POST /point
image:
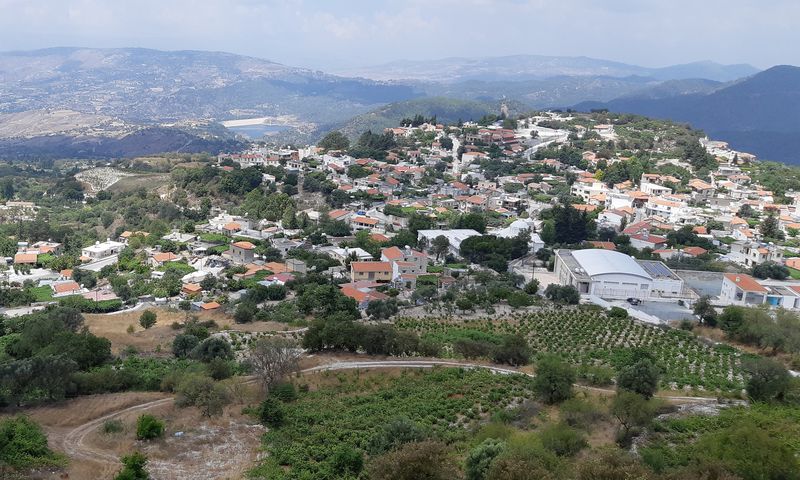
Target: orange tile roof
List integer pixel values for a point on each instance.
(25, 258)
(191, 288)
(366, 220)
(584, 208)
(360, 295)
(64, 287)
(336, 214)
(210, 305)
(162, 257)
(694, 251)
(363, 267)
(244, 245)
(232, 226)
(654, 239)
(745, 282)
(603, 245)
(392, 253)
(276, 267)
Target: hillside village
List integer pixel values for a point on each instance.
(651, 275)
(399, 219)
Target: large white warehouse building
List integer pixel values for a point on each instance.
(614, 275)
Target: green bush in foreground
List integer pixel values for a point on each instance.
(149, 427)
(23, 445)
(133, 468)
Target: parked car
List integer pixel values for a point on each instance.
(634, 301)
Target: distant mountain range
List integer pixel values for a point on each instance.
(533, 67)
(51, 99)
(759, 114)
(144, 85)
(87, 102)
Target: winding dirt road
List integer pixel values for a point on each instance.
(74, 442)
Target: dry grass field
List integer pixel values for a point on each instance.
(115, 328)
(223, 447)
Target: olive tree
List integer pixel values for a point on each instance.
(273, 358)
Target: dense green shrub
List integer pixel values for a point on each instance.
(562, 440)
(618, 312)
(395, 433)
(514, 351)
(149, 427)
(580, 413)
(220, 369)
(480, 458)
(641, 377)
(183, 344)
(134, 467)
(347, 462)
(554, 379)
(23, 445)
(202, 392)
(285, 392)
(211, 348)
(270, 412)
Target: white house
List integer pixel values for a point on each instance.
(102, 250)
(455, 237)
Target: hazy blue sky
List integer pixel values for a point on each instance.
(328, 33)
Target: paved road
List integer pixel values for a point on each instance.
(74, 443)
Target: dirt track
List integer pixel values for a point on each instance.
(75, 446)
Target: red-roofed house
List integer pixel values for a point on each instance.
(160, 258)
(694, 251)
(206, 307)
(379, 237)
(343, 215)
(242, 252)
(646, 240)
(405, 261)
(742, 289)
(364, 223)
(191, 289)
(63, 289)
(24, 258)
(231, 227)
(362, 295)
(375, 271)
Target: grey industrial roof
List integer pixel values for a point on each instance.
(600, 262)
(657, 269)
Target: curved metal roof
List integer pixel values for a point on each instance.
(604, 262)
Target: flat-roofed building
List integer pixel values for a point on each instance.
(454, 237)
(102, 250)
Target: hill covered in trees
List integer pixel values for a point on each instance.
(759, 114)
